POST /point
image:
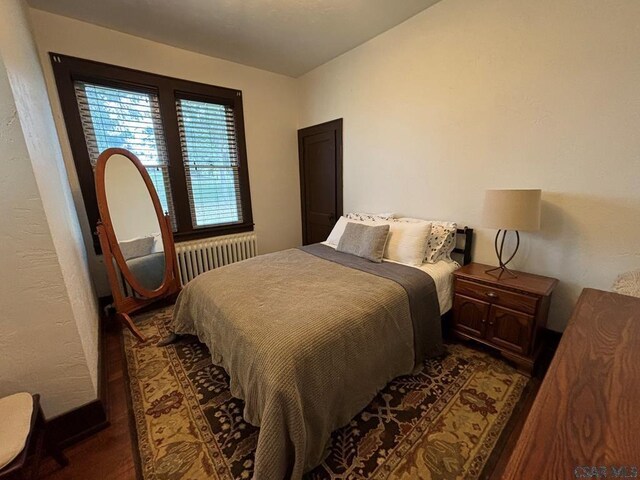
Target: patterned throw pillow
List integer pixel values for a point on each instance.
(442, 241)
(370, 217)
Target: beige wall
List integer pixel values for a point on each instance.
(470, 95)
(49, 321)
(270, 108)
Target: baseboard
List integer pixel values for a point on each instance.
(552, 336)
(82, 422)
(78, 424)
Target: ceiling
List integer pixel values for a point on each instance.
(284, 36)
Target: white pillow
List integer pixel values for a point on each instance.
(158, 246)
(411, 220)
(338, 229)
(370, 217)
(442, 239)
(407, 242)
(136, 247)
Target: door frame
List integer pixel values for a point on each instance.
(335, 125)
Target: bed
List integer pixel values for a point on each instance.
(440, 272)
(310, 335)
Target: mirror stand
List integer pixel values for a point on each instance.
(135, 235)
(126, 305)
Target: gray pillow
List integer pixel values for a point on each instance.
(365, 241)
(136, 247)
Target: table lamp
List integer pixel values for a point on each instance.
(510, 211)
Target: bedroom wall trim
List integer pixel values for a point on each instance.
(78, 424)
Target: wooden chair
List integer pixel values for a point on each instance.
(37, 442)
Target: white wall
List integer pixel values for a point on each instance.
(270, 111)
(130, 206)
(49, 321)
(476, 94)
(467, 95)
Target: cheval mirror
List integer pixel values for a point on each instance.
(135, 236)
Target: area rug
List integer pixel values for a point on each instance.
(441, 423)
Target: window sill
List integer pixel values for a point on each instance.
(212, 232)
(194, 235)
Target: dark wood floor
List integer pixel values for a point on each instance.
(109, 454)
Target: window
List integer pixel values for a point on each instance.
(114, 117)
(208, 140)
(189, 136)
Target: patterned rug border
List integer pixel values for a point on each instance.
(443, 400)
(508, 428)
(496, 430)
(208, 439)
(138, 426)
(500, 430)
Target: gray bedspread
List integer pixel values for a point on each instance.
(421, 293)
(308, 338)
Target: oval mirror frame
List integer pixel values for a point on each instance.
(105, 217)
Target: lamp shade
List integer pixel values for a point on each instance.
(512, 210)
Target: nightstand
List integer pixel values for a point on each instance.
(507, 314)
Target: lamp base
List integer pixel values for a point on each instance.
(498, 272)
(502, 269)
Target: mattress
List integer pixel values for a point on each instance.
(441, 272)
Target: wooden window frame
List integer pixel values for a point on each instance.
(68, 69)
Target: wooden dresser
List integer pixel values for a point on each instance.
(585, 420)
(506, 314)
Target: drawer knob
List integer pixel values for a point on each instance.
(492, 295)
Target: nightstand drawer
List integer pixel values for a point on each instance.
(516, 301)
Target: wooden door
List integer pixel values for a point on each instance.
(320, 151)
(470, 315)
(510, 329)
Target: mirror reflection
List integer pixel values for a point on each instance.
(134, 221)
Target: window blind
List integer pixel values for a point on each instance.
(210, 159)
(115, 117)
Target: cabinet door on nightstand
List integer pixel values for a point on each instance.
(510, 329)
(470, 315)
